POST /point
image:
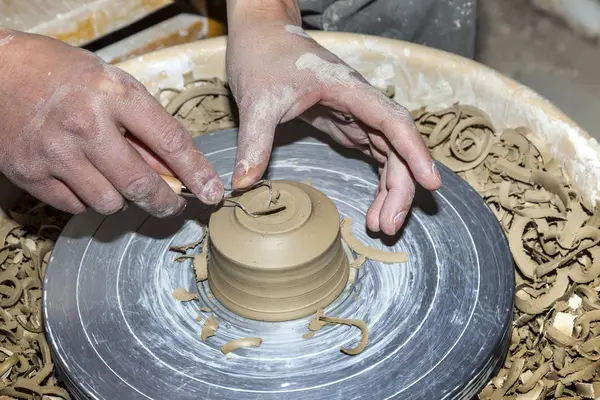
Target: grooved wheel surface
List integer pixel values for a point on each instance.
(438, 324)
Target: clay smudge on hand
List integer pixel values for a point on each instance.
(327, 72)
(6, 40)
(297, 30)
(240, 343)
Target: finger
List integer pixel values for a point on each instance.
(148, 155)
(377, 154)
(321, 120)
(375, 209)
(168, 139)
(255, 143)
(401, 191)
(91, 187)
(378, 111)
(56, 194)
(113, 156)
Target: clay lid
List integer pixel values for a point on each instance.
(302, 232)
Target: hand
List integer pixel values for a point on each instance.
(64, 114)
(277, 73)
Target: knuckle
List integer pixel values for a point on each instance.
(75, 208)
(173, 140)
(109, 203)
(140, 187)
(116, 82)
(26, 175)
(78, 122)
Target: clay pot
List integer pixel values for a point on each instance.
(281, 266)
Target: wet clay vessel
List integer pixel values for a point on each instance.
(280, 266)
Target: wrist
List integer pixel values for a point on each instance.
(263, 11)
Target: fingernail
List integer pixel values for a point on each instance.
(125, 206)
(241, 175)
(436, 172)
(399, 220)
(213, 191)
(241, 170)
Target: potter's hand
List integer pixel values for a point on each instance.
(278, 73)
(64, 113)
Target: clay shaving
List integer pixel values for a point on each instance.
(320, 320)
(203, 106)
(183, 295)
(26, 239)
(367, 252)
(553, 236)
(210, 327)
(200, 261)
(240, 343)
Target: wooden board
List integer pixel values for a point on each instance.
(76, 22)
(182, 28)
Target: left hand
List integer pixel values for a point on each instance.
(277, 73)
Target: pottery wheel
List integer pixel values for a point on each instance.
(438, 324)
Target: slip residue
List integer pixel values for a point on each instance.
(259, 116)
(6, 40)
(327, 72)
(296, 30)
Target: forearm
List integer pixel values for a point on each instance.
(265, 11)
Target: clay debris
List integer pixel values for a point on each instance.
(26, 239)
(320, 320)
(209, 328)
(203, 106)
(553, 236)
(181, 294)
(366, 252)
(240, 343)
(199, 260)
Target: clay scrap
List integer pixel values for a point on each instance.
(26, 240)
(203, 106)
(210, 327)
(200, 261)
(240, 343)
(365, 251)
(183, 295)
(320, 320)
(553, 236)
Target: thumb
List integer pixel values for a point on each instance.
(255, 143)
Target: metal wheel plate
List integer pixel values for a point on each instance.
(438, 324)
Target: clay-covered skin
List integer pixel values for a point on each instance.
(280, 266)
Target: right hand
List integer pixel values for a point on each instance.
(64, 116)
